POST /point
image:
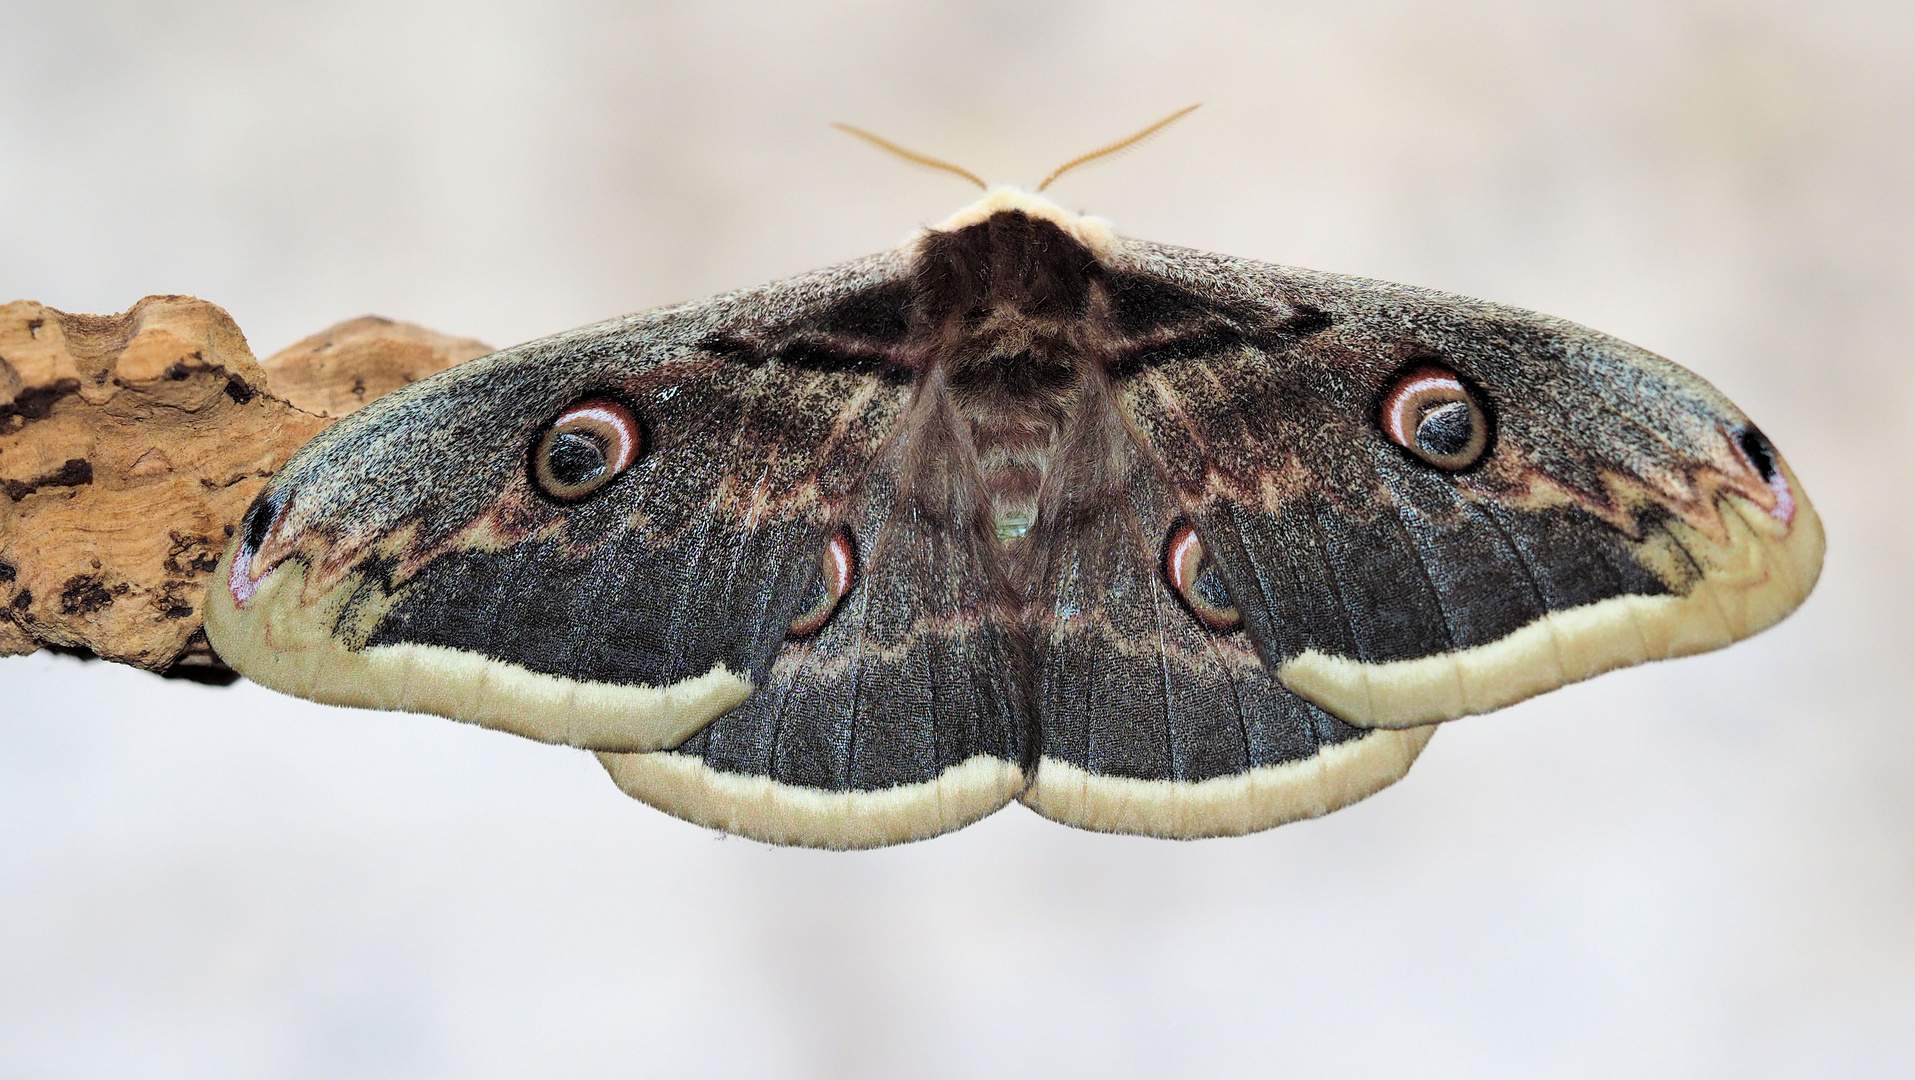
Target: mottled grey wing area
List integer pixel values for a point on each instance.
(1623, 511)
(699, 556)
(1153, 722)
(410, 557)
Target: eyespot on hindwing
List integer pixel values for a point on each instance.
(837, 573)
(1194, 578)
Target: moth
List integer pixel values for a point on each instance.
(1153, 540)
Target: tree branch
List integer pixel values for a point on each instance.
(131, 444)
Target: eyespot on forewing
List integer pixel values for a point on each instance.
(585, 448)
(1194, 578)
(1432, 414)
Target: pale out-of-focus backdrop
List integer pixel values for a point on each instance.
(1701, 869)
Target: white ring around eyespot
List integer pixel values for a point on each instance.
(838, 582)
(1186, 550)
(619, 419)
(1394, 415)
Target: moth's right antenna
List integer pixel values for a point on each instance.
(1118, 146)
(914, 156)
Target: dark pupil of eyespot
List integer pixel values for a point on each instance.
(575, 458)
(1446, 430)
(1209, 588)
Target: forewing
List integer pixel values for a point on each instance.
(1622, 510)
(408, 558)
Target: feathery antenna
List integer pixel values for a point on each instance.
(921, 159)
(1117, 147)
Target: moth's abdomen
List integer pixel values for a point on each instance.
(1008, 307)
(1014, 408)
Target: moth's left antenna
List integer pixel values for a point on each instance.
(912, 155)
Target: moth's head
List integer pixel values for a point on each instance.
(1092, 232)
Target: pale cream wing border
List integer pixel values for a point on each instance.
(1247, 802)
(764, 809)
(286, 645)
(1763, 572)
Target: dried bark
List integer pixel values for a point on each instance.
(131, 444)
(341, 368)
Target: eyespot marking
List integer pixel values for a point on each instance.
(585, 448)
(1195, 580)
(837, 574)
(1430, 413)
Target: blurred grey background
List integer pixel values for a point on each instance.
(1700, 869)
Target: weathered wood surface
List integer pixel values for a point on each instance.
(131, 444)
(341, 368)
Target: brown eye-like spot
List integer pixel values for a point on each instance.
(1195, 580)
(837, 572)
(586, 448)
(1430, 413)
